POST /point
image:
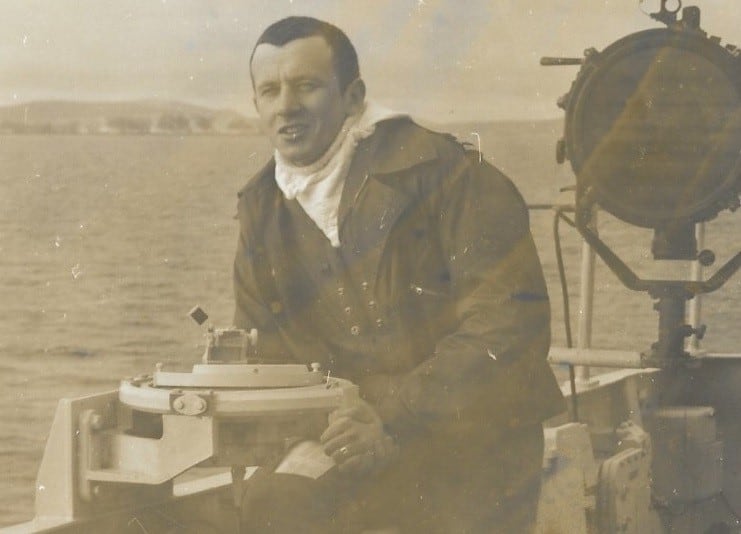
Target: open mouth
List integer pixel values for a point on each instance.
(293, 132)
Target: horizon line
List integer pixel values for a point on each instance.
(215, 107)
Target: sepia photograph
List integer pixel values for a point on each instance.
(370, 266)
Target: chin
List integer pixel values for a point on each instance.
(295, 159)
(298, 158)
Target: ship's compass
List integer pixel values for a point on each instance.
(231, 410)
(232, 382)
(653, 134)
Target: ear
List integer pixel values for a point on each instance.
(354, 96)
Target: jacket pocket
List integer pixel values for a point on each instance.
(431, 311)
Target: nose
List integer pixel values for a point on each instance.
(289, 101)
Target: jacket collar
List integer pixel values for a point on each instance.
(397, 145)
(372, 191)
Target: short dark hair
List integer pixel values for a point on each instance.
(289, 29)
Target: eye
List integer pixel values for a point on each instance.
(268, 91)
(307, 86)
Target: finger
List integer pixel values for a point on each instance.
(336, 428)
(347, 439)
(363, 412)
(344, 453)
(351, 412)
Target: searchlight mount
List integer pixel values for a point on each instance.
(653, 134)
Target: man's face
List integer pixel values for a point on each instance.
(298, 98)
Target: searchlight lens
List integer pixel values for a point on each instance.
(653, 128)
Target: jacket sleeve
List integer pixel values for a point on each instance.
(253, 289)
(489, 368)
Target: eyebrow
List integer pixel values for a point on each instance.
(292, 80)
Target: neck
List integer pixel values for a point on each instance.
(331, 151)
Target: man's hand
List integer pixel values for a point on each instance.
(356, 441)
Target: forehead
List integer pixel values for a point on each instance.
(308, 56)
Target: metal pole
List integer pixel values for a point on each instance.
(695, 304)
(586, 300)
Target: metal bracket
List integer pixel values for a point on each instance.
(190, 403)
(90, 453)
(665, 15)
(109, 455)
(658, 288)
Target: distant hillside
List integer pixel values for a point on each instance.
(126, 117)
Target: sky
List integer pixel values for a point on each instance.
(441, 60)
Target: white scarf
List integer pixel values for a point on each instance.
(318, 187)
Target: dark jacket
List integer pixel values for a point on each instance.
(435, 303)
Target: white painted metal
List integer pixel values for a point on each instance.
(695, 304)
(595, 357)
(718, 355)
(586, 300)
(247, 402)
(240, 376)
(569, 478)
(138, 460)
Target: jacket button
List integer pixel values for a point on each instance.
(340, 291)
(364, 285)
(372, 304)
(355, 330)
(379, 323)
(348, 310)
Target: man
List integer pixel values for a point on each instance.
(399, 261)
